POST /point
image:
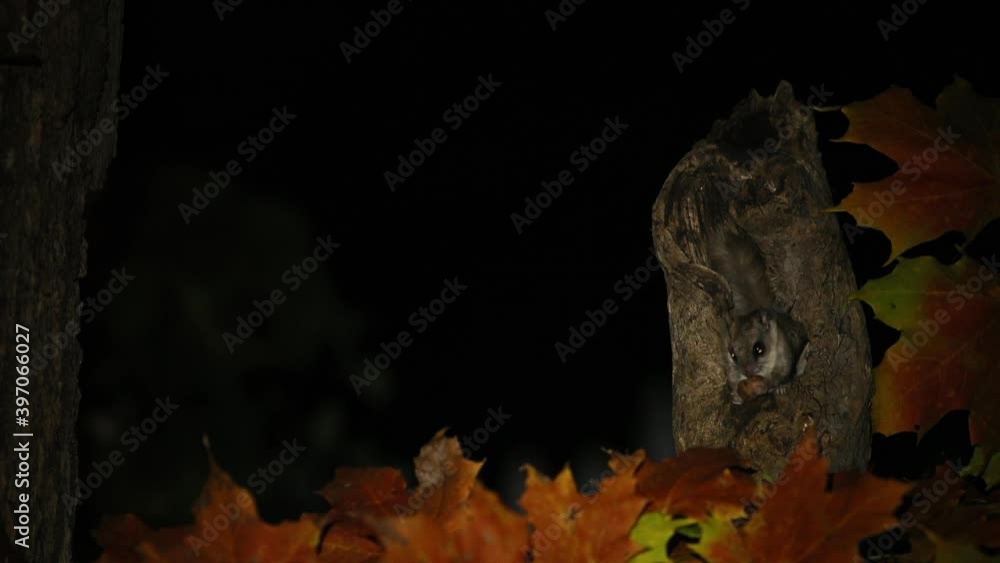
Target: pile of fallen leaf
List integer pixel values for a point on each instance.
(706, 504)
(702, 506)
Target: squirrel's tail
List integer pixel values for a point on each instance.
(735, 256)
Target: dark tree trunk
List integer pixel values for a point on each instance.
(58, 78)
(779, 200)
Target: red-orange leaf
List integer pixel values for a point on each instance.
(949, 165)
(721, 542)
(449, 518)
(802, 522)
(126, 539)
(359, 497)
(481, 528)
(445, 476)
(576, 528)
(358, 492)
(946, 357)
(700, 482)
(349, 542)
(227, 529)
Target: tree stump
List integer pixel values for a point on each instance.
(760, 170)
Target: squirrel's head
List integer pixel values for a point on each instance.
(752, 344)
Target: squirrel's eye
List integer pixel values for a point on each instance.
(758, 349)
(732, 355)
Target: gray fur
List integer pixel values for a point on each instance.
(738, 260)
(765, 342)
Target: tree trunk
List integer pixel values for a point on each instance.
(59, 68)
(760, 170)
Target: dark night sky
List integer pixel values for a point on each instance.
(323, 175)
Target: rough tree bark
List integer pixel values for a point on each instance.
(778, 198)
(59, 65)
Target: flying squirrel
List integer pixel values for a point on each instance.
(764, 346)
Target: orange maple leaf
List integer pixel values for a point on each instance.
(445, 477)
(228, 529)
(451, 517)
(801, 521)
(357, 492)
(948, 176)
(578, 528)
(480, 529)
(696, 484)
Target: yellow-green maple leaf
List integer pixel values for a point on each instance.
(654, 530)
(947, 355)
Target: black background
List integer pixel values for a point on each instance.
(323, 175)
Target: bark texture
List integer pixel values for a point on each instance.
(777, 193)
(59, 68)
